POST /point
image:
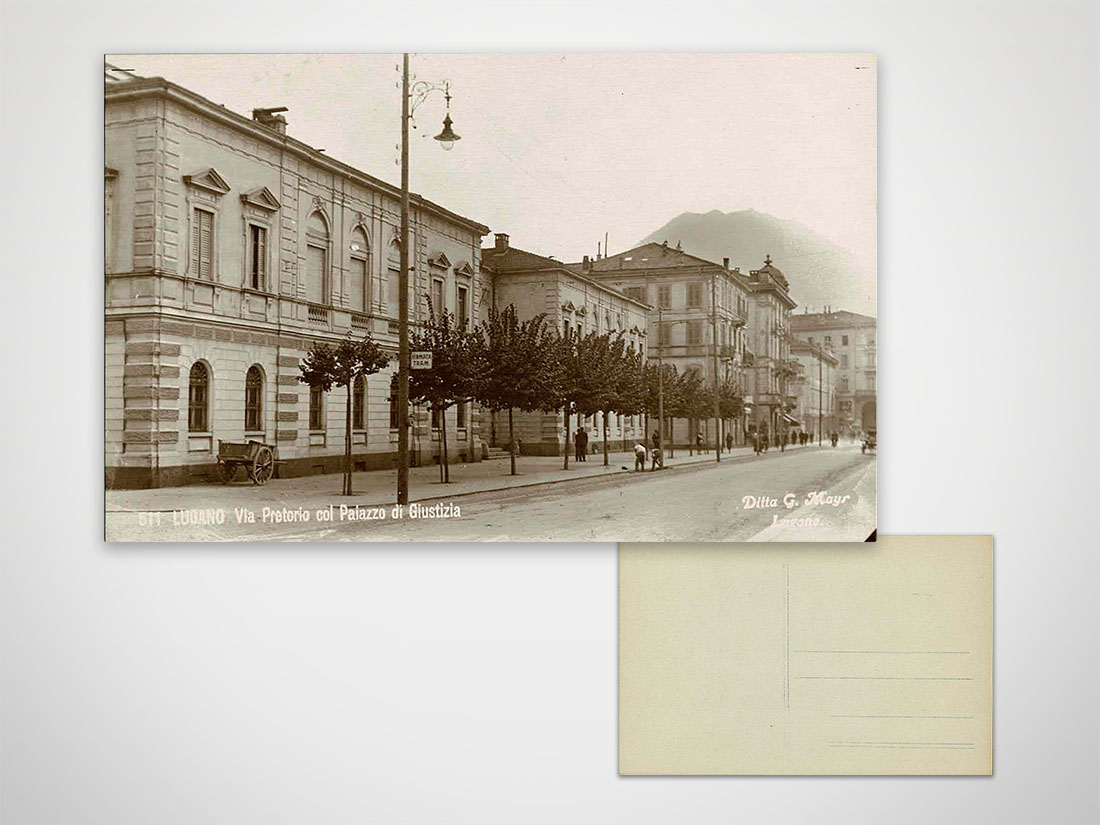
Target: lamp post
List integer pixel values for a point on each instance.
(419, 90)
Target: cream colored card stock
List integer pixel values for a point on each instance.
(790, 659)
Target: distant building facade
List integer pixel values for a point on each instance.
(698, 309)
(571, 300)
(231, 248)
(816, 383)
(773, 377)
(852, 338)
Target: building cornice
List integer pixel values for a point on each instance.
(159, 87)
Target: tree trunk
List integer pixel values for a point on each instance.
(511, 441)
(568, 440)
(444, 458)
(431, 410)
(347, 443)
(605, 438)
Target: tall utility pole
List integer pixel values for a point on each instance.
(403, 301)
(660, 383)
(820, 358)
(714, 344)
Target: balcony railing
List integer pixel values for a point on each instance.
(318, 314)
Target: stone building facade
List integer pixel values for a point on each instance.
(816, 385)
(772, 384)
(686, 325)
(571, 300)
(230, 249)
(852, 338)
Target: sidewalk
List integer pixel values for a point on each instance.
(379, 487)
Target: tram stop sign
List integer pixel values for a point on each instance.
(421, 360)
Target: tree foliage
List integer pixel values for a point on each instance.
(326, 366)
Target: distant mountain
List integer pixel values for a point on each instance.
(820, 272)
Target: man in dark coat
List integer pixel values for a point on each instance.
(582, 444)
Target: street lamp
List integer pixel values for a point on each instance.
(411, 98)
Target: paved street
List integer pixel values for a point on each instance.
(694, 501)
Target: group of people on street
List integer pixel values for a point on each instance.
(654, 453)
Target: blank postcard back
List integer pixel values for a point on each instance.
(789, 659)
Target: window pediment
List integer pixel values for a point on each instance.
(262, 199)
(208, 180)
(440, 260)
(582, 310)
(464, 268)
(568, 307)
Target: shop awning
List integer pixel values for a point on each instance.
(790, 419)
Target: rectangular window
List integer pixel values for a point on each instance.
(871, 383)
(664, 297)
(358, 287)
(436, 418)
(257, 256)
(695, 332)
(844, 362)
(695, 295)
(843, 340)
(253, 409)
(462, 305)
(393, 406)
(870, 359)
(460, 415)
(358, 399)
(316, 403)
(844, 383)
(565, 326)
(315, 274)
(202, 244)
(437, 296)
(828, 339)
(635, 292)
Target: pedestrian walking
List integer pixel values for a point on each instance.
(639, 457)
(582, 445)
(729, 442)
(658, 458)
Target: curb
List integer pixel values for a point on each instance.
(646, 473)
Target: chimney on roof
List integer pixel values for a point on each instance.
(501, 242)
(586, 264)
(725, 263)
(271, 118)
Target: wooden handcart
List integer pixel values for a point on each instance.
(256, 457)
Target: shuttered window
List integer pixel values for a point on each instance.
(202, 244)
(316, 409)
(257, 256)
(358, 397)
(315, 274)
(357, 288)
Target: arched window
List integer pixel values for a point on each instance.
(254, 400)
(317, 290)
(198, 399)
(358, 284)
(358, 405)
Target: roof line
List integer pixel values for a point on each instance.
(152, 85)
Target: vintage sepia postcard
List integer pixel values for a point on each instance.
(796, 660)
(546, 297)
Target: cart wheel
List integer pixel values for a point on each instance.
(263, 465)
(227, 471)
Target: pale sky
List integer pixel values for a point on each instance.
(558, 149)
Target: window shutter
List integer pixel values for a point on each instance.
(261, 256)
(205, 225)
(196, 216)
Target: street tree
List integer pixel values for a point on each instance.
(326, 366)
(454, 374)
(517, 367)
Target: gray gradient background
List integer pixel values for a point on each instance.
(292, 684)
